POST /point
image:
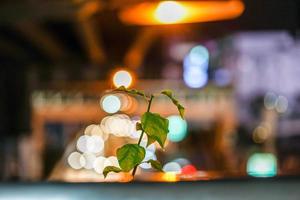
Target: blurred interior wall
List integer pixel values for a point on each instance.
(14, 116)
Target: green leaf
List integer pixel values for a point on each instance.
(111, 169)
(150, 140)
(180, 108)
(129, 156)
(156, 128)
(155, 164)
(138, 126)
(132, 92)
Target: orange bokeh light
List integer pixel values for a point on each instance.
(178, 12)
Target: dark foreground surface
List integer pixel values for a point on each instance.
(256, 189)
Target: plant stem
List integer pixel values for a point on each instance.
(142, 134)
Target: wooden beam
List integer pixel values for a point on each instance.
(88, 33)
(136, 53)
(11, 50)
(42, 40)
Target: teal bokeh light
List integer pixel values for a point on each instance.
(262, 165)
(177, 128)
(199, 56)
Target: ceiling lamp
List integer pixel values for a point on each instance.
(179, 12)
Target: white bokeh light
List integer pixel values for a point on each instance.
(182, 161)
(122, 78)
(82, 143)
(87, 160)
(169, 12)
(111, 103)
(113, 161)
(98, 164)
(118, 125)
(88, 129)
(74, 160)
(92, 144)
(172, 167)
(282, 104)
(95, 144)
(151, 147)
(149, 156)
(107, 163)
(96, 130)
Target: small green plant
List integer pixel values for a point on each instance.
(130, 156)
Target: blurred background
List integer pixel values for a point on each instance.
(233, 64)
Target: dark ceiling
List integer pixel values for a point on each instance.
(48, 33)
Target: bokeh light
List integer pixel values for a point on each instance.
(122, 78)
(282, 104)
(182, 161)
(92, 144)
(98, 164)
(119, 125)
(189, 169)
(82, 143)
(195, 78)
(177, 12)
(199, 56)
(260, 134)
(262, 165)
(151, 147)
(95, 144)
(195, 66)
(129, 103)
(172, 167)
(88, 130)
(87, 160)
(169, 12)
(111, 103)
(96, 130)
(177, 128)
(222, 77)
(170, 177)
(270, 100)
(149, 156)
(279, 103)
(74, 160)
(114, 161)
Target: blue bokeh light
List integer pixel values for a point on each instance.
(195, 66)
(195, 78)
(222, 77)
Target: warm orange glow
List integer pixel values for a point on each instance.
(177, 12)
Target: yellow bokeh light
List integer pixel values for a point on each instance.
(260, 134)
(169, 177)
(122, 78)
(169, 12)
